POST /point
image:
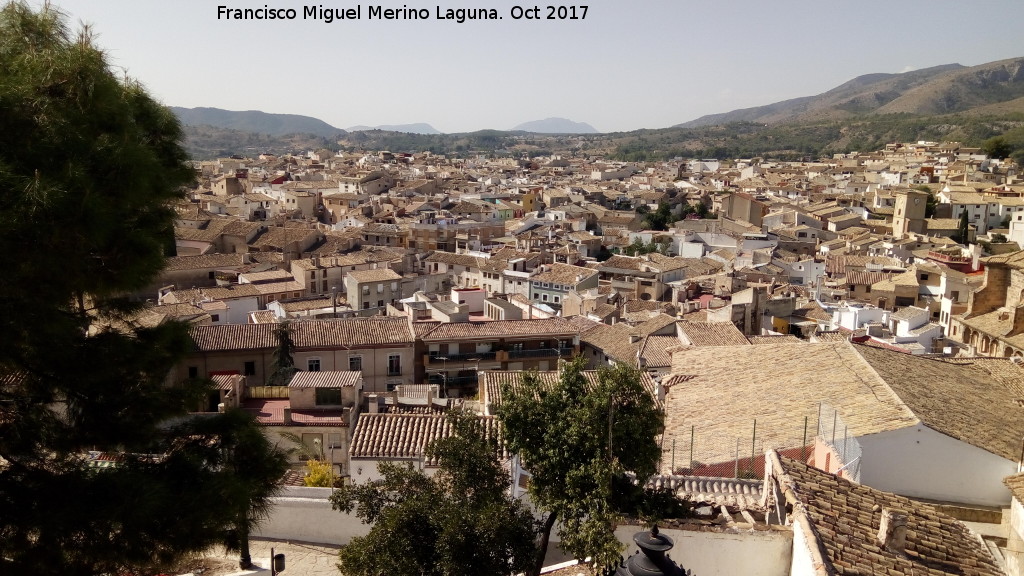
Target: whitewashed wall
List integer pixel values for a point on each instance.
(751, 553)
(305, 515)
(922, 463)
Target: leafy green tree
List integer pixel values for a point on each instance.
(579, 443)
(249, 465)
(997, 147)
(284, 363)
(460, 521)
(90, 165)
(963, 228)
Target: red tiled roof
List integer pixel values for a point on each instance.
(326, 379)
(270, 412)
(500, 328)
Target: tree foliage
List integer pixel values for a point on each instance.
(963, 228)
(89, 167)
(460, 521)
(580, 443)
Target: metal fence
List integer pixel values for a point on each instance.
(833, 432)
(712, 453)
(704, 451)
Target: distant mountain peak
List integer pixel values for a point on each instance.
(556, 126)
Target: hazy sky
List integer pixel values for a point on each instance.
(627, 65)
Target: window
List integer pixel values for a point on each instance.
(366, 305)
(394, 286)
(380, 288)
(544, 297)
(328, 396)
(323, 273)
(210, 276)
(394, 365)
(193, 372)
(215, 317)
(355, 363)
(517, 347)
(312, 443)
(380, 303)
(313, 364)
(250, 369)
(334, 441)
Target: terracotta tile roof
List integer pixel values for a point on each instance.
(654, 324)
(205, 261)
(278, 238)
(712, 333)
(267, 276)
(406, 436)
(734, 493)
(841, 519)
(341, 333)
(270, 412)
(262, 317)
(732, 383)
(654, 351)
(492, 382)
(1016, 485)
(326, 379)
(830, 336)
(352, 332)
(613, 341)
(450, 331)
(378, 275)
(454, 259)
(773, 339)
(566, 274)
(224, 381)
(866, 277)
(964, 401)
(233, 337)
(813, 311)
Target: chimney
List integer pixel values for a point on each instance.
(892, 531)
(286, 416)
(373, 406)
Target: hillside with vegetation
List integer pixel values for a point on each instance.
(972, 105)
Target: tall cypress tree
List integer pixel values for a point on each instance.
(90, 165)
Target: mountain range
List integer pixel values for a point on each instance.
(949, 102)
(946, 89)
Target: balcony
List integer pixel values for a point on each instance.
(541, 353)
(434, 359)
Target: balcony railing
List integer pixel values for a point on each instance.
(541, 353)
(441, 358)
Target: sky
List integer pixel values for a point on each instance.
(626, 65)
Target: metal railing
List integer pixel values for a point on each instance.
(543, 352)
(833, 432)
(461, 357)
